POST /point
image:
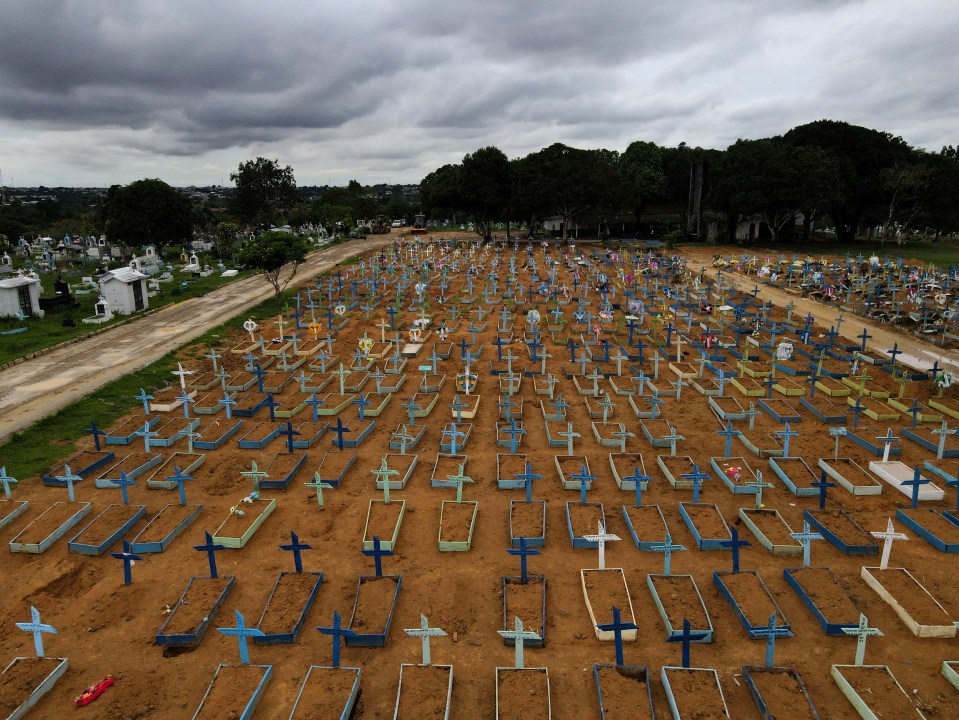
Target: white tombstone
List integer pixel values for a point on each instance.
(784, 351)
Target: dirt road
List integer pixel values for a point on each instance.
(43, 385)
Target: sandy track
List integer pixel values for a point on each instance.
(43, 385)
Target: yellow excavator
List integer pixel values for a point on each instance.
(419, 225)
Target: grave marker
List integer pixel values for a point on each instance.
(128, 557)
(667, 548)
(519, 636)
(686, 637)
(319, 486)
(38, 629)
(601, 538)
(297, 548)
(7, 481)
(337, 632)
(377, 553)
(771, 632)
(425, 632)
(862, 632)
(523, 552)
(241, 632)
(617, 627)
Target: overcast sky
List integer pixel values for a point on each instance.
(97, 92)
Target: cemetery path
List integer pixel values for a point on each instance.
(40, 386)
(916, 353)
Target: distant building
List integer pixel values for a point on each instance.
(20, 296)
(125, 290)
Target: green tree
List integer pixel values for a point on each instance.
(555, 181)
(439, 191)
(5, 245)
(270, 252)
(226, 240)
(485, 188)
(147, 211)
(642, 166)
(262, 189)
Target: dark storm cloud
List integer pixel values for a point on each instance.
(186, 90)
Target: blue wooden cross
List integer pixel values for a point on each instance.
(499, 343)
(856, 409)
(458, 407)
(453, 434)
(228, 402)
(463, 346)
(123, 482)
(506, 406)
(272, 405)
(146, 433)
(290, 434)
(241, 632)
(185, 400)
(667, 548)
(210, 548)
(572, 350)
(377, 553)
(145, 399)
(315, 403)
(128, 557)
(362, 403)
(916, 483)
(786, 435)
(823, 486)
(37, 628)
(411, 409)
(529, 476)
(585, 479)
(696, 476)
(7, 481)
(523, 551)
(734, 543)
(296, 547)
(617, 627)
(180, 479)
(771, 632)
(337, 631)
(96, 432)
(865, 336)
(729, 433)
(259, 372)
(915, 410)
(637, 478)
(69, 478)
(514, 432)
(340, 429)
(687, 637)
(769, 382)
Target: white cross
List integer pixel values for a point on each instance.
(182, 374)
(601, 538)
(887, 537)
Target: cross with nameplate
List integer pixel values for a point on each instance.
(862, 632)
(519, 636)
(887, 537)
(601, 538)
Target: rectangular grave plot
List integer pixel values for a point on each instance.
(507, 468)
(192, 614)
(404, 465)
(327, 690)
(159, 478)
(603, 589)
(82, 463)
(38, 674)
(823, 409)
(258, 436)
(820, 591)
(218, 433)
(457, 524)
(750, 599)
(334, 466)
(735, 473)
(646, 525)
(693, 692)
(383, 520)
(373, 606)
(236, 530)
(527, 520)
(10, 511)
(910, 600)
(523, 692)
(310, 434)
(425, 689)
(950, 671)
(624, 465)
(106, 528)
(623, 692)
(850, 475)
(527, 601)
(706, 523)
(164, 527)
(795, 474)
(779, 692)
(48, 527)
(282, 469)
(932, 526)
(677, 598)
(134, 465)
(780, 410)
(584, 519)
(842, 532)
(569, 465)
(895, 473)
(125, 432)
(222, 694)
(673, 469)
(874, 692)
(446, 465)
(286, 608)
(770, 530)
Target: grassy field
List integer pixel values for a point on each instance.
(55, 327)
(38, 448)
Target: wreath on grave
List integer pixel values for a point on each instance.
(944, 380)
